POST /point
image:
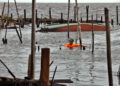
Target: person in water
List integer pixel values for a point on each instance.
(72, 45)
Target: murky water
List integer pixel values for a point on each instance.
(80, 66)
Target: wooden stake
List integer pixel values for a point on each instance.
(50, 17)
(3, 10)
(33, 39)
(11, 15)
(62, 17)
(25, 14)
(18, 35)
(109, 62)
(117, 15)
(92, 36)
(8, 69)
(87, 11)
(74, 13)
(101, 19)
(79, 28)
(68, 29)
(52, 82)
(8, 7)
(44, 74)
(18, 18)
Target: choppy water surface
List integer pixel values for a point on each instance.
(80, 66)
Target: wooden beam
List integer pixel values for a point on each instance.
(45, 59)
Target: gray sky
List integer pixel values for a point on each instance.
(65, 1)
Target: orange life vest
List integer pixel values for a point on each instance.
(73, 45)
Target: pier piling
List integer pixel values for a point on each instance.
(117, 15)
(109, 62)
(24, 14)
(87, 13)
(45, 60)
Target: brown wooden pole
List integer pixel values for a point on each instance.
(8, 69)
(3, 15)
(8, 7)
(53, 76)
(45, 60)
(18, 35)
(18, 18)
(109, 61)
(33, 39)
(11, 15)
(101, 19)
(16, 8)
(117, 15)
(3, 10)
(87, 11)
(92, 36)
(25, 14)
(61, 16)
(79, 28)
(68, 29)
(74, 13)
(50, 17)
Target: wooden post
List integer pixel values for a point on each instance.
(109, 62)
(92, 35)
(87, 13)
(68, 29)
(3, 10)
(101, 19)
(44, 74)
(16, 8)
(62, 17)
(117, 15)
(37, 21)
(8, 7)
(112, 22)
(18, 35)
(74, 13)
(11, 15)
(81, 19)
(18, 18)
(79, 28)
(50, 17)
(33, 39)
(2, 15)
(25, 14)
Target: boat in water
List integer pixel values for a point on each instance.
(73, 27)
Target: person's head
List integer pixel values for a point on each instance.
(71, 41)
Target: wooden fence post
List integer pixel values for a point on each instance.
(74, 13)
(45, 60)
(50, 17)
(25, 14)
(117, 15)
(33, 39)
(68, 28)
(109, 62)
(87, 13)
(92, 36)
